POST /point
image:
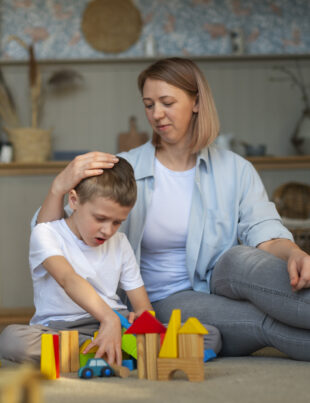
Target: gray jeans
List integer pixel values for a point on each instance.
(251, 303)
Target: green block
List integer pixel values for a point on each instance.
(129, 344)
(85, 357)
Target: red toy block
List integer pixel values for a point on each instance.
(56, 353)
(146, 323)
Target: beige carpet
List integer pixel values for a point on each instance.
(257, 379)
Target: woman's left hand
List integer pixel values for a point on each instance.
(298, 267)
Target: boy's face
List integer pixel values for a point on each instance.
(96, 220)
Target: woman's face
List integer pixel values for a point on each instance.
(169, 110)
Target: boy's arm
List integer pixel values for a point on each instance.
(139, 300)
(83, 294)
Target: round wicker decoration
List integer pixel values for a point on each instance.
(111, 26)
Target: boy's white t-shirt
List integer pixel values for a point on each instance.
(105, 267)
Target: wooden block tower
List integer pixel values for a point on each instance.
(182, 349)
(148, 330)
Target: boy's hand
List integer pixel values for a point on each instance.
(132, 317)
(109, 340)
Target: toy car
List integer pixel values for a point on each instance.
(95, 367)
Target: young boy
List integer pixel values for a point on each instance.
(77, 264)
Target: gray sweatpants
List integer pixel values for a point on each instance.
(251, 303)
(23, 342)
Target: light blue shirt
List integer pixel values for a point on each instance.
(229, 206)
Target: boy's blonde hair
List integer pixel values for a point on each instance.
(184, 74)
(117, 184)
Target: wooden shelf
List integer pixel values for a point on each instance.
(9, 316)
(54, 167)
(142, 59)
(32, 168)
(281, 163)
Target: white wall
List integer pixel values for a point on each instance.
(250, 106)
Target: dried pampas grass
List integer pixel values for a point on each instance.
(35, 81)
(8, 111)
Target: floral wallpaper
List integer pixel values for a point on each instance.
(178, 27)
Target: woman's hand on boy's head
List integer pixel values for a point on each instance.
(83, 166)
(108, 340)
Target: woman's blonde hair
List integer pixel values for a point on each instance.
(184, 74)
(117, 184)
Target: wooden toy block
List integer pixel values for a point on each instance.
(192, 367)
(124, 321)
(56, 353)
(152, 348)
(64, 351)
(129, 344)
(141, 362)
(20, 384)
(146, 323)
(121, 371)
(193, 326)
(169, 348)
(129, 363)
(69, 351)
(85, 357)
(74, 351)
(48, 366)
(209, 355)
(191, 345)
(152, 313)
(85, 344)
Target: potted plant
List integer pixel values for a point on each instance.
(31, 144)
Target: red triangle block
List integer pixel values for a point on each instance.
(56, 353)
(146, 323)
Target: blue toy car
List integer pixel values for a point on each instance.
(95, 367)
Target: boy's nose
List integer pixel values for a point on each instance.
(107, 230)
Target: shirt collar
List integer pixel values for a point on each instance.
(146, 162)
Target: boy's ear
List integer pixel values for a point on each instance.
(73, 199)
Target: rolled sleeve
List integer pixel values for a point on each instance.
(259, 220)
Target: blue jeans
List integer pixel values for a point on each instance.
(251, 303)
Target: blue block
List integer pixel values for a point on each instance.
(124, 321)
(209, 355)
(130, 364)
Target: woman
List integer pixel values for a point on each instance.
(195, 204)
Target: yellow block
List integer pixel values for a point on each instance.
(48, 366)
(169, 348)
(85, 344)
(193, 326)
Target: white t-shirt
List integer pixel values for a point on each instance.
(163, 248)
(105, 267)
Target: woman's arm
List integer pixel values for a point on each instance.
(298, 261)
(83, 294)
(83, 166)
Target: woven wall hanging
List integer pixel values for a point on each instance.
(111, 26)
